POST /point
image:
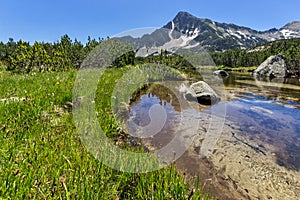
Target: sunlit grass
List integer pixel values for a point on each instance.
(42, 157)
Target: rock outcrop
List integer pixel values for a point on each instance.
(274, 66)
(202, 93)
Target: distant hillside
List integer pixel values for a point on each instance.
(254, 56)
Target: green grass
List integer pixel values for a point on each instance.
(238, 69)
(42, 156)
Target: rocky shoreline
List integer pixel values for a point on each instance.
(239, 169)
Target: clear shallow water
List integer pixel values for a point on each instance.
(268, 112)
(272, 122)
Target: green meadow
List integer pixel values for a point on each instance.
(42, 155)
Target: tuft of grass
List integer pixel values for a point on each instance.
(42, 156)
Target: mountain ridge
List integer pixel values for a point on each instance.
(188, 31)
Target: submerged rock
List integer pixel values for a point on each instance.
(221, 73)
(274, 66)
(202, 93)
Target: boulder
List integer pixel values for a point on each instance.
(221, 73)
(202, 93)
(274, 66)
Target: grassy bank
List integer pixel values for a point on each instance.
(226, 68)
(238, 69)
(42, 156)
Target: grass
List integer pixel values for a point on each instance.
(226, 68)
(42, 156)
(238, 69)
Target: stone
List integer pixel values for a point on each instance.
(202, 93)
(274, 66)
(221, 73)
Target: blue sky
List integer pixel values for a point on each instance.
(41, 20)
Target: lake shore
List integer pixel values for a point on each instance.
(242, 171)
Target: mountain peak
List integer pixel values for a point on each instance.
(182, 15)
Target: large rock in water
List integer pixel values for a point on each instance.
(202, 93)
(274, 66)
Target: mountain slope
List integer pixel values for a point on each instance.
(188, 31)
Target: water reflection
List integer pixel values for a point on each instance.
(264, 111)
(283, 88)
(155, 115)
(268, 111)
(269, 121)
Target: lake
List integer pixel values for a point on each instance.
(247, 146)
(261, 110)
(269, 111)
